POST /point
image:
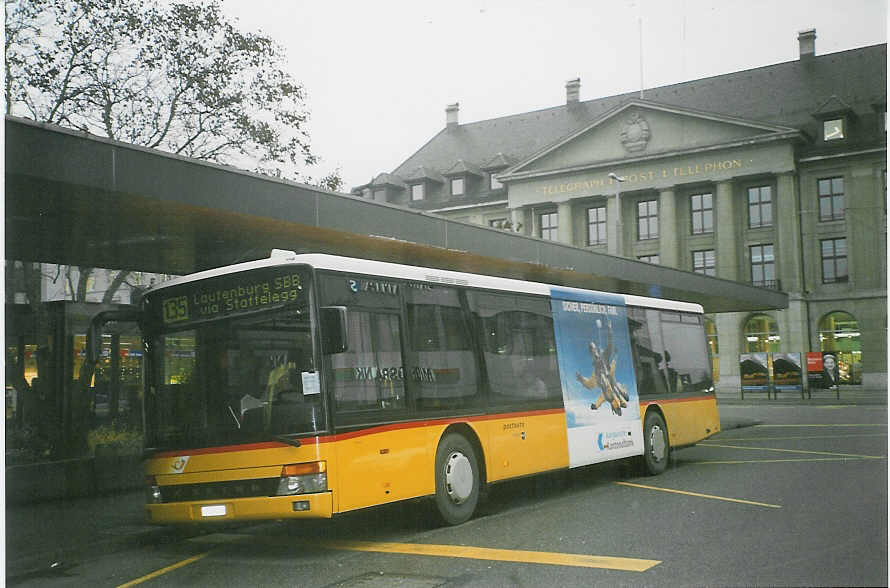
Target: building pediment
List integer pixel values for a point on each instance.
(639, 129)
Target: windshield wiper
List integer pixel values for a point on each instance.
(248, 402)
(288, 440)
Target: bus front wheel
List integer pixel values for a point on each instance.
(655, 441)
(457, 479)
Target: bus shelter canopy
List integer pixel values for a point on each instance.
(77, 199)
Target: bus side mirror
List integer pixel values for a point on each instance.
(97, 325)
(333, 329)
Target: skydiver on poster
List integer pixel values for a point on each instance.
(597, 376)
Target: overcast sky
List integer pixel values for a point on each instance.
(380, 73)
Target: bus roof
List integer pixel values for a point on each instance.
(413, 273)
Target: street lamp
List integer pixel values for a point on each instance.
(619, 237)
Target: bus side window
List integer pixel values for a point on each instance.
(518, 348)
(369, 375)
(645, 336)
(687, 363)
(441, 361)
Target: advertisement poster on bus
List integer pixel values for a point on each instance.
(598, 384)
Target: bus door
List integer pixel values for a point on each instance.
(377, 460)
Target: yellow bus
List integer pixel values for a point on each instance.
(310, 385)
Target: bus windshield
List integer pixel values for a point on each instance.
(242, 376)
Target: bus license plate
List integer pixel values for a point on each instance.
(213, 510)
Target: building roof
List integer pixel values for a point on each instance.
(791, 94)
(423, 173)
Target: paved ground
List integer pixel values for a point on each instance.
(44, 538)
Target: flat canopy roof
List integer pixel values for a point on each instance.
(77, 199)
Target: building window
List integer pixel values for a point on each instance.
(650, 258)
(702, 206)
(596, 225)
(763, 266)
(547, 225)
(647, 220)
(760, 207)
(703, 262)
(497, 223)
(833, 129)
(831, 199)
(457, 186)
(417, 192)
(761, 334)
(834, 260)
(493, 183)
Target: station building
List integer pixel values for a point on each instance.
(774, 176)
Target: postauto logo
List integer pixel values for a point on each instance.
(614, 440)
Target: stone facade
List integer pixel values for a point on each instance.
(785, 190)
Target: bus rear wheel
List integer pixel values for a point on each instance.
(457, 479)
(657, 446)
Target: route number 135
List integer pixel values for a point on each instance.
(176, 309)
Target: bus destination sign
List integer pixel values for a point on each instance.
(231, 294)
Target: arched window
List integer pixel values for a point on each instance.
(839, 332)
(713, 347)
(761, 334)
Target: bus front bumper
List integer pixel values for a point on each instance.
(302, 506)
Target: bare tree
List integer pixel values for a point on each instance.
(178, 77)
(175, 76)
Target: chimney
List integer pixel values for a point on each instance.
(807, 41)
(451, 115)
(573, 91)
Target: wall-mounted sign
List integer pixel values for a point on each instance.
(646, 175)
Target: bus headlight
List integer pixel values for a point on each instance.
(303, 478)
(152, 491)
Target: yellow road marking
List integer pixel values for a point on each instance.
(793, 451)
(804, 437)
(163, 571)
(800, 459)
(711, 496)
(538, 557)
